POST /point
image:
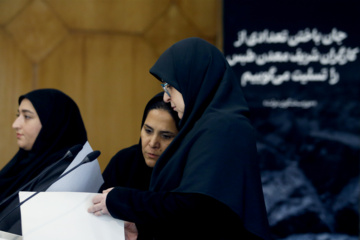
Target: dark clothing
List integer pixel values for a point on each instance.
(12, 222)
(215, 151)
(206, 184)
(175, 216)
(127, 169)
(62, 128)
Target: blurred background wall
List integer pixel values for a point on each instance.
(99, 52)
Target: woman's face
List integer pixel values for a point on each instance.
(158, 131)
(176, 100)
(27, 125)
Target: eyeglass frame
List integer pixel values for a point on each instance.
(164, 85)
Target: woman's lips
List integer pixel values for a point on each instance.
(151, 155)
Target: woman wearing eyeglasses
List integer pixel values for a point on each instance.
(206, 185)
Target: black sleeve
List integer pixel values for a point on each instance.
(145, 206)
(169, 212)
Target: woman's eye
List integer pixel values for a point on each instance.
(148, 130)
(166, 136)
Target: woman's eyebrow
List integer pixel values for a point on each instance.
(26, 111)
(147, 126)
(168, 132)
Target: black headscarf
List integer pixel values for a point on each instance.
(157, 103)
(62, 128)
(215, 151)
(128, 167)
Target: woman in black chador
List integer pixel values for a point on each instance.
(48, 125)
(206, 185)
(132, 167)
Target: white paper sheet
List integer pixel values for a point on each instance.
(9, 236)
(86, 178)
(63, 215)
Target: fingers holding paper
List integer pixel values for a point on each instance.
(99, 204)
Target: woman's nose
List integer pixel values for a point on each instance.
(166, 97)
(16, 123)
(154, 142)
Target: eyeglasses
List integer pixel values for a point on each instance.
(165, 86)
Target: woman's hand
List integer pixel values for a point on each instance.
(99, 208)
(131, 232)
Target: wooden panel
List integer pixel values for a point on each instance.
(132, 16)
(97, 51)
(109, 74)
(170, 28)
(145, 85)
(15, 79)
(204, 14)
(37, 30)
(108, 91)
(63, 68)
(108, 77)
(9, 8)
